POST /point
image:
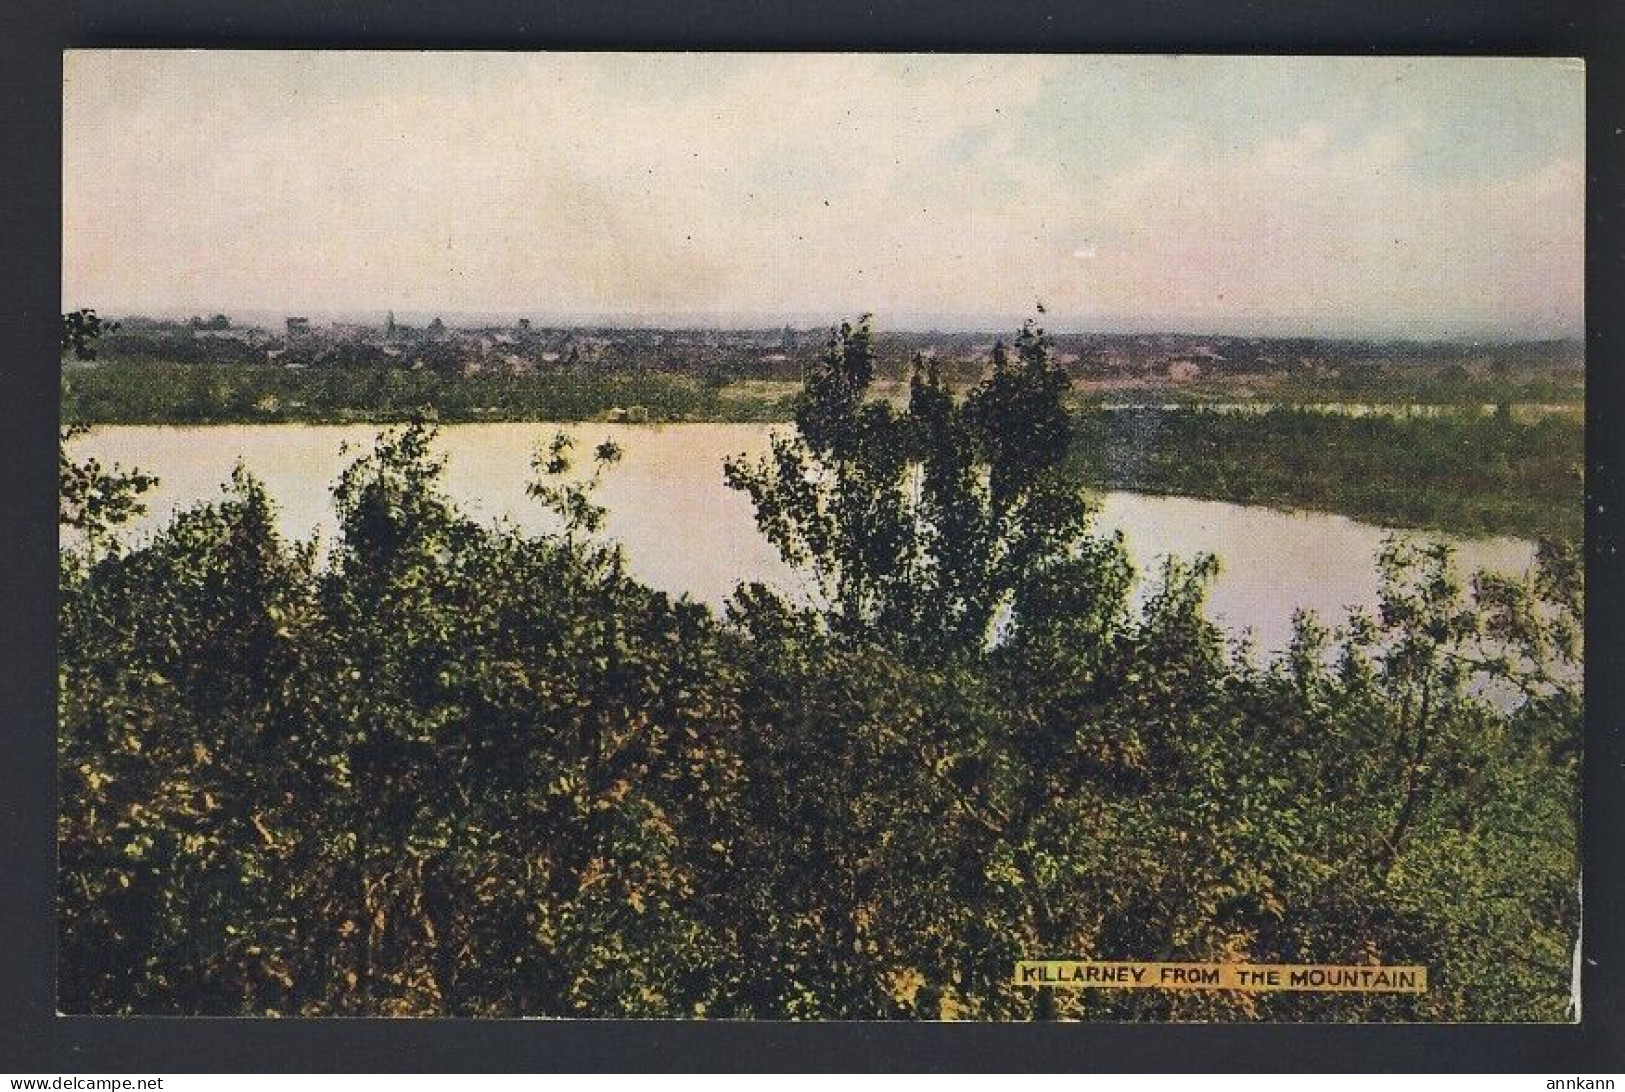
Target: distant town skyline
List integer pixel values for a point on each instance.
(1409, 197)
(275, 321)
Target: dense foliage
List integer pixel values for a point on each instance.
(82, 332)
(445, 768)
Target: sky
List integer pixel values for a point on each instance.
(1428, 197)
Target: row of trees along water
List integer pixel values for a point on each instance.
(448, 768)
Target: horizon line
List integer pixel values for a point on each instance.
(473, 318)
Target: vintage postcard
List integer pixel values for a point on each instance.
(800, 536)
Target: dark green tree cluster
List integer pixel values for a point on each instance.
(447, 768)
(82, 330)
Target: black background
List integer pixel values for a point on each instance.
(35, 1041)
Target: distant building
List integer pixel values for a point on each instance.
(298, 326)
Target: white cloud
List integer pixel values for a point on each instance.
(808, 184)
(1339, 234)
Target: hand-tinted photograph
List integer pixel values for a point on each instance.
(799, 536)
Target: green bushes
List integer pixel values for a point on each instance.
(451, 769)
(446, 770)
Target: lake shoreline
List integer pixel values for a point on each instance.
(685, 532)
(1469, 474)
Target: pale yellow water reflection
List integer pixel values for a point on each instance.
(686, 532)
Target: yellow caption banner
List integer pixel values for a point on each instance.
(1075, 974)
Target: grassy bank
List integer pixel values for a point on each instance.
(1470, 473)
(1466, 472)
(1374, 385)
(139, 392)
(126, 393)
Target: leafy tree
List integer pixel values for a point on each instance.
(93, 499)
(920, 526)
(81, 331)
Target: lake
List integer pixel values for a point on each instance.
(685, 532)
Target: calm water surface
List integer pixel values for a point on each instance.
(685, 532)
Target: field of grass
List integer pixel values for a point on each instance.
(195, 394)
(1466, 472)
(1375, 386)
